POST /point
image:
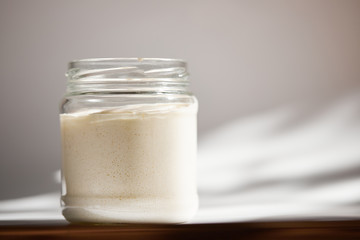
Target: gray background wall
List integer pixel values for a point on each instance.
(244, 57)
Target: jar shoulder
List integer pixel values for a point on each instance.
(75, 103)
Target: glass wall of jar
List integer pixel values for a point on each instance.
(129, 142)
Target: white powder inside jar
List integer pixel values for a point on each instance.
(134, 164)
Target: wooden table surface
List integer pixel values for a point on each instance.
(345, 229)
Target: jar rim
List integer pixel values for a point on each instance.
(127, 75)
(93, 62)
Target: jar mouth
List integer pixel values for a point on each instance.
(115, 62)
(127, 75)
(117, 69)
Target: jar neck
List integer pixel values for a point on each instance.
(127, 75)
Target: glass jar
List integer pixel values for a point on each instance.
(129, 142)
